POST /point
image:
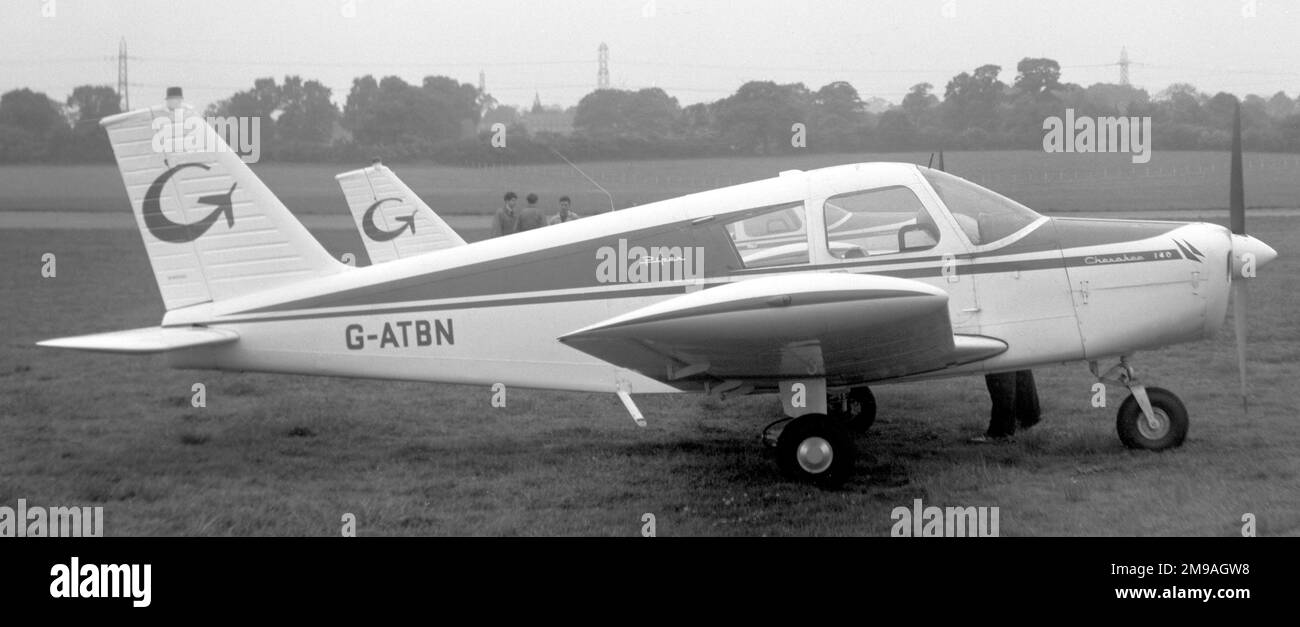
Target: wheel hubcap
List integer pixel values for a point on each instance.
(1160, 430)
(814, 455)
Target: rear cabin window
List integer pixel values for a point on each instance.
(771, 236)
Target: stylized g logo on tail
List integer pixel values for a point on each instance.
(374, 232)
(178, 233)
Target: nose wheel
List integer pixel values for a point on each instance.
(1166, 428)
(1151, 418)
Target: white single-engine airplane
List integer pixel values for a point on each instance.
(811, 284)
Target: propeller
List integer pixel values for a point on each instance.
(1248, 253)
(1237, 222)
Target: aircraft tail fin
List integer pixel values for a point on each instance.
(212, 229)
(392, 220)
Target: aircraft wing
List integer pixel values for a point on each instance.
(146, 340)
(392, 220)
(848, 328)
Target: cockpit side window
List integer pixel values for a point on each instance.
(985, 216)
(881, 221)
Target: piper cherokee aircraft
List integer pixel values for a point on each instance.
(811, 284)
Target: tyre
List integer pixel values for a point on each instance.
(816, 449)
(856, 410)
(1171, 422)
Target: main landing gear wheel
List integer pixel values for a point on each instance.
(817, 449)
(855, 410)
(1167, 430)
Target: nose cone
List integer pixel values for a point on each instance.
(1249, 254)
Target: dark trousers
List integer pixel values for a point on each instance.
(1015, 402)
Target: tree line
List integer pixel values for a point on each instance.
(446, 121)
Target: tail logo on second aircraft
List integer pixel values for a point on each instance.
(379, 235)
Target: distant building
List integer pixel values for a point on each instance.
(552, 119)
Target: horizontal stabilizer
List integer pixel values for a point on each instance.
(147, 340)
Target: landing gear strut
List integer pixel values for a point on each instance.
(1150, 418)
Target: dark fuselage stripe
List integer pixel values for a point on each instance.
(500, 302)
(992, 267)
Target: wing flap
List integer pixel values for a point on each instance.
(146, 340)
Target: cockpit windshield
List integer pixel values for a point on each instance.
(985, 216)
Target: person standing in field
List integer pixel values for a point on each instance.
(530, 217)
(564, 215)
(1015, 405)
(506, 221)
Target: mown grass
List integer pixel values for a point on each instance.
(288, 455)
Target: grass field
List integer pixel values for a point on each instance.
(1046, 182)
(285, 455)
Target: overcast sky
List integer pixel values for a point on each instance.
(695, 50)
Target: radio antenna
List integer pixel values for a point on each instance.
(584, 175)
